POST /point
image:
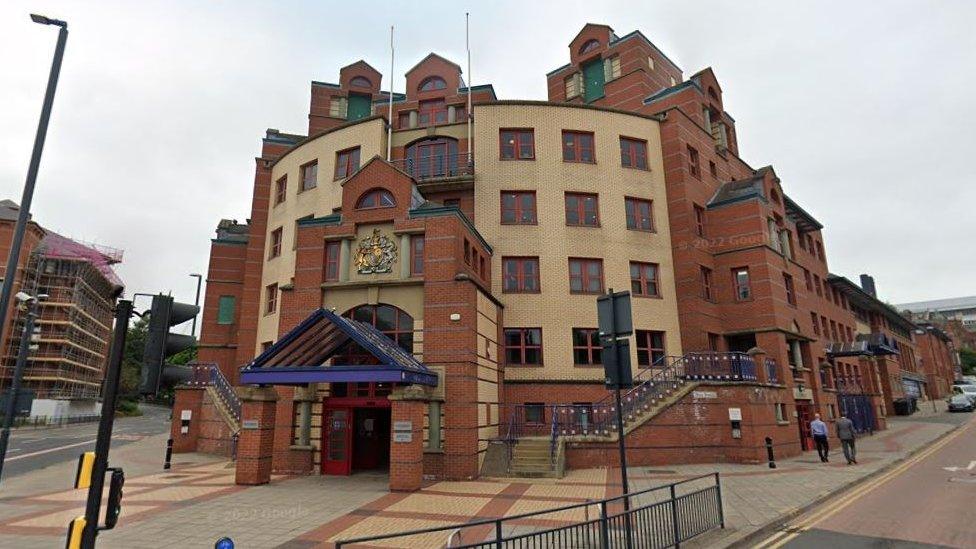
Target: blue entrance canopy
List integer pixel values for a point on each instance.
(301, 356)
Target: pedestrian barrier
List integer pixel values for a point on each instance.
(660, 517)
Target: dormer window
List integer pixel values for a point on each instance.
(712, 94)
(361, 82)
(433, 83)
(589, 46)
(376, 198)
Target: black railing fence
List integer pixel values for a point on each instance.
(660, 517)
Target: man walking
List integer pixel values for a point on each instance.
(819, 431)
(845, 432)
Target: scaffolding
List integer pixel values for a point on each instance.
(75, 319)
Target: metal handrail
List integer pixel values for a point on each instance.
(209, 375)
(437, 166)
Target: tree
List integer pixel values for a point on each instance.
(968, 359)
(135, 344)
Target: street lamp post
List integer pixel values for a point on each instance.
(196, 301)
(30, 306)
(25, 202)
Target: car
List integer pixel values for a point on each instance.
(967, 390)
(961, 403)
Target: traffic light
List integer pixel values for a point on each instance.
(161, 344)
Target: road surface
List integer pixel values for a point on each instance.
(927, 501)
(32, 449)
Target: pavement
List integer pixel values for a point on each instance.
(197, 502)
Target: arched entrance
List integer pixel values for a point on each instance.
(356, 426)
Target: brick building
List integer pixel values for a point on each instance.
(476, 241)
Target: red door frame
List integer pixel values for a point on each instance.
(804, 415)
(349, 405)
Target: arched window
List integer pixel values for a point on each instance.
(376, 198)
(392, 321)
(432, 83)
(430, 158)
(589, 46)
(361, 82)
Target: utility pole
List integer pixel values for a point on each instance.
(11, 408)
(23, 216)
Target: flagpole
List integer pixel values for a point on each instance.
(467, 44)
(389, 122)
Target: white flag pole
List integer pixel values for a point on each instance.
(389, 122)
(467, 43)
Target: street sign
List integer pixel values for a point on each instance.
(613, 315)
(616, 365)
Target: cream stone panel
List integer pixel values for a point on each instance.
(554, 309)
(320, 201)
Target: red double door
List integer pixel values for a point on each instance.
(355, 439)
(804, 415)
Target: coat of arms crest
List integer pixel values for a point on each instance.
(376, 254)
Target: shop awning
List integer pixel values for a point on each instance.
(302, 356)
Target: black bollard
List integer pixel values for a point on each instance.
(169, 453)
(769, 452)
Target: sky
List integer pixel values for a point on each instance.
(865, 110)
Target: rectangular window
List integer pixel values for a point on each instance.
(633, 153)
(712, 168)
(820, 252)
(578, 147)
(225, 309)
(516, 144)
(699, 221)
(535, 412)
(638, 211)
(824, 327)
(714, 342)
(650, 348)
(743, 290)
(275, 248)
(780, 412)
(586, 276)
(520, 274)
(790, 290)
(518, 208)
(807, 279)
(644, 279)
(816, 282)
(347, 162)
(611, 68)
(310, 175)
(573, 85)
(332, 250)
(404, 119)
(417, 255)
(467, 252)
(582, 210)
(433, 111)
(694, 165)
(587, 347)
(281, 189)
(270, 298)
(523, 346)
(706, 282)
(816, 327)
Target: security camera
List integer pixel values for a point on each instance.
(24, 297)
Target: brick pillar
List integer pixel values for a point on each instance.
(407, 458)
(255, 447)
(186, 399)
(759, 359)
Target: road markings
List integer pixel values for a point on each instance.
(972, 464)
(793, 531)
(49, 450)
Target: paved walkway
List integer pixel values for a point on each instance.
(197, 502)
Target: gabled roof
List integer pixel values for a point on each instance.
(301, 356)
(738, 191)
(587, 25)
(429, 55)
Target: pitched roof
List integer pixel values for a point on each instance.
(737, 191)
(55, 246)
(428, 56)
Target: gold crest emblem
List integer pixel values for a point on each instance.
(376, 254)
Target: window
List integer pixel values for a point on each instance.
(432, 83)
(582, 210)
(523, 346)
(535, 412)
(518, 208)
(780, 412)
(578, 147)
(275, 248)
(376, 198)
(574, 83)
(650, 62)
(824, 327)
(332, 251)
(712, 169)
(774, 240)
(699, 221)
(816, 282)
(790, 290)
(638, 213)
(807, 279)
(589, 46)
(633, 153)
(360, 82)
(813, 319)
(706, 282)
(404, 119)
(516, 144)
(611, 68)
(520, 274)
(338, 107)
(693, 162)
(586, 276)
(270, 298)
(587, 347)
(433, 112)
(281, 189)
(417, 255)
(310, 175)
(714, 342)
(644, 279)
(467, 252)
(650, 348)
(225, 309)
(347, 162)
(434, 435)
(740, 276)
(820, 251)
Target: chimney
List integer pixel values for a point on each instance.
(867, 284)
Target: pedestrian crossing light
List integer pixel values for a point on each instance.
(161, 344)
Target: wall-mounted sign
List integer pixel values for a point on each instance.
(376, 254)
(402, 437)
(403, 426)
(186, 414)
(805, 394)
(704, 394)
(735, 414)
(402, 431)
(250, 424)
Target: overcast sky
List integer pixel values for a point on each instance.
(866, 114)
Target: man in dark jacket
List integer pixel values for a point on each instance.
(845, 432)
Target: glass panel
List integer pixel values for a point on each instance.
(386, 318)
(579, 338)
(338, 424)
(363, 314)
(513, 356)
(512, 338)
(581, 356)
(508, 144)
(533, 356)
(533, 337)
(528, 208)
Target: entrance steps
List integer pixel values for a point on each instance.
(532, 457)
(224, 410)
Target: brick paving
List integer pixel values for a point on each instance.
(197, 502)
